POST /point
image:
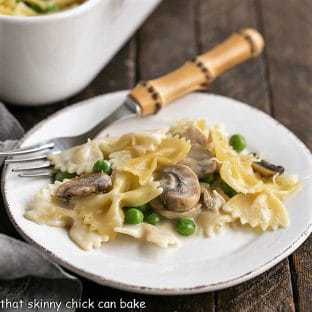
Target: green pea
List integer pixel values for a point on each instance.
(209, 178)
(102, 166)
(152, 218)
(134, 216)
(185, 227)
(238, 142)
(228, 190)
(62, 175)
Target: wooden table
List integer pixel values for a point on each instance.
(279, 83)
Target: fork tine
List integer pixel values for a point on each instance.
(44, 166)
(37, 174)
(18, 160)
(31, 149)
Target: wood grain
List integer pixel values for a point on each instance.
(268, 292)
(271, 290)
(290, 76)
(167, 39)
(301, 269)
(217, 19)
(290, 63)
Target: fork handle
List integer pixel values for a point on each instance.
(197, 74)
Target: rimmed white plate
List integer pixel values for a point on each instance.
(200, 264)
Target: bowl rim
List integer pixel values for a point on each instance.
(73, 12)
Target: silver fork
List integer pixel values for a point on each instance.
(149, 97)
(40, 152)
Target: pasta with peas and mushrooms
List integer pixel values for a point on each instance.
(158, 186)
(36, 7)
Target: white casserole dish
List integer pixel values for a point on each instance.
(48, 58)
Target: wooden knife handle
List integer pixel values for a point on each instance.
(197, 74)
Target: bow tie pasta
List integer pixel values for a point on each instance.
(136, 144)
(79, 159)
(154, 186)
(43, 208)
(169, 151)
(262, 210)
(150, 233)
(103, 212)
(236, 170)
(259, 200)
(142, 154)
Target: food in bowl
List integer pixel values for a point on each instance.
(36, 7)
(160, 186)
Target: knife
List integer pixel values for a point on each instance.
(148, 97)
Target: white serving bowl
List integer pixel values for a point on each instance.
(48, 58)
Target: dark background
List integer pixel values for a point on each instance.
(279, 83)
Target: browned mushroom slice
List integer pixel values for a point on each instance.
(170, 214)
(196, 136)
(267, 169)
(83, 186)
(210, 199)
(181, 189)
(199, 159)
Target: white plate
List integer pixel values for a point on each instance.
(200, 264)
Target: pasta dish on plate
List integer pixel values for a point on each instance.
(160, 186)
(36, 7)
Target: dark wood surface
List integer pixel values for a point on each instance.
(279, 83)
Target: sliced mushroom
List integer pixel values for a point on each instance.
(199, 159)
(267, 169)
(169, 214)
(181, 189)
(210, 199)
(83, 186)
(196, 136)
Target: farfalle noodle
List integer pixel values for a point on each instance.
(103, 212)
(79, 159)
(150, 233)
(212, 222)
(183, 125)
(239, 174)
(236, 170)
(222, 148)
(283, 186)
(135, 143)
(171, 150)
(262, 210)
(84, 237)
(43, 208)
